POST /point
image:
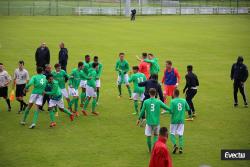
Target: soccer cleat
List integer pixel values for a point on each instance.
(235, 104)
(175, 149)
(84, 113)
(246, 105)
(180, 150)
(189, 119)
(71, 117)
(76, 113)
(130, 98)
(95, 113)
(19, 111)
(119, 96)
(22, 123)
(9, 109)
(52, 124)
(32, 126)
(193, 115)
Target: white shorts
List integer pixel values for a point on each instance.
(90, 91)
(125, 79)
(138, 96)
(73, 92)
(98, 83)
(83, 83)
(54, 103)
(36, 99)
(177, 129)
(65, 93)
(152, 130)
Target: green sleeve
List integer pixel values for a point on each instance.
(171, 107)
(53, 91)
(148, 61)
(127, 67)
(131, 78)
(71, 78)
(117, 66)
(165, 107)
(187, 106)
(144, 78)
(31, 82)
(142, 113)
(99, 71)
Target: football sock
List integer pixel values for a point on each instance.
(98, 94)
(35, 117)
(76, 104)
(71, 102)
(21, 104)
(83, 96)
(120, 89)
(149, 142)
(8, 102)
(129, 91)
(155, 138)
(26, 113)
(86, 104)
(181, 141)
(52, 115)
(67, 111)
(136, 105)
(172, 138)
(93, 104)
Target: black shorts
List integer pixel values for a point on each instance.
(4, 92)
(19, 90)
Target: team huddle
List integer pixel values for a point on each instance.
(50, 85)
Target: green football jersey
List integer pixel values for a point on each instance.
(99, 70)
(137, 78)
(152, 108)
(122, 66)
(178, 106)
(154, 66)
(39, 82)
(75, 78)
(92, 74)
(60, 78)
(55, 93)
(86, 67)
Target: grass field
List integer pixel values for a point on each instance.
(210, 43)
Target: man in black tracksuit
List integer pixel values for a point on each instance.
(190, 89)
(151, 83)
(239, 74)
(63, 57)
(42, 56)
(133, 13)
(48, 88)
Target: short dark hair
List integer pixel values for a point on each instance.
(57, 65)
(1, 63)
(163, 131)
(94, 65)
(135, 68)
(21, 62)
(176, 92)
(169, 62)
(121, 53)
(39, 70)
(190, 68)
(240, 59)
(80, 64)
(150, 54)
(154, 77)
(144, 54)
(49, 76)
(152, 91)
(95, 57)
(86, 56)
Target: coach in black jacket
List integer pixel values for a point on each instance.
(239, 74)
(42, 56)
(63, 56)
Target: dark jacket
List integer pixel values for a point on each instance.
(42, 56)
(239, 72)
(63, 57)
(152, 84)
(191, 81)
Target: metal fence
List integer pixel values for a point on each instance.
(118, 7)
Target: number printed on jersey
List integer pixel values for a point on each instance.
(140, 79)
(179, 106)
(152, 107)
(42, 81)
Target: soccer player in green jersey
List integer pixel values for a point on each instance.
(61, 77)
(74, 82)
(56, 100)
(91, 89)
(98, 81)
(83, 83)
(36, 97)
(152, 108)
(154, 66)
(138, 93)
(178, 106)
(122, 67)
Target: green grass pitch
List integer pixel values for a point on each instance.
(210, 43)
